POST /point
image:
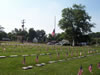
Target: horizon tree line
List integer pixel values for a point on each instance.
(75, 22)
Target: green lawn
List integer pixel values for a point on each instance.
(13, 65)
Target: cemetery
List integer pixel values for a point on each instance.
(49, 37)
(28, 59)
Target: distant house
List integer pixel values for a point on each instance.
(19, 37)
(35, 40)
(5, 39)
(83, 44)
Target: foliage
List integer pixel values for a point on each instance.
(1, 28)
(75, 22)
(18, 32)
(41, 35)
(31, 35)
(3, 35)
(28, 36)
(95, 37)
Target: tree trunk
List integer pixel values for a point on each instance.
(73, 42)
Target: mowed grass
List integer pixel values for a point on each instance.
(13, 65)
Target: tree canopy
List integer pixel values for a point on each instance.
(75, 22)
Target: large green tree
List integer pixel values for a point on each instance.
(31, 35)
(18, 32)
(41, 35)
(3, 34)
(1, 28)
(75, 22)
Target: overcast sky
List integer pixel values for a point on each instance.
(39, 14)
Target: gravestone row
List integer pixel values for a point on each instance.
(51, 62)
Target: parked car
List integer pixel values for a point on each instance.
(64, 42)
(51, 43)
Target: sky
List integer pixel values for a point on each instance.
(39, 14)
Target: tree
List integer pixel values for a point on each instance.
(50, 37)
(31, 35)
(1, 28)
(58, 37)
(11, 36)
(23, 34)
(95, 38)
(41, 35)
(3, 34)
(75, 22)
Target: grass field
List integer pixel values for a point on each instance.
(13, 65)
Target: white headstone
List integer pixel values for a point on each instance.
(38, 65)
(52, 62)
(2, 56)
(43, 64)
(24, 68)
(29, 67)
(25, 55)
(13, 55)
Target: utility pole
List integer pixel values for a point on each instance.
(23, 22)
(55, 23)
